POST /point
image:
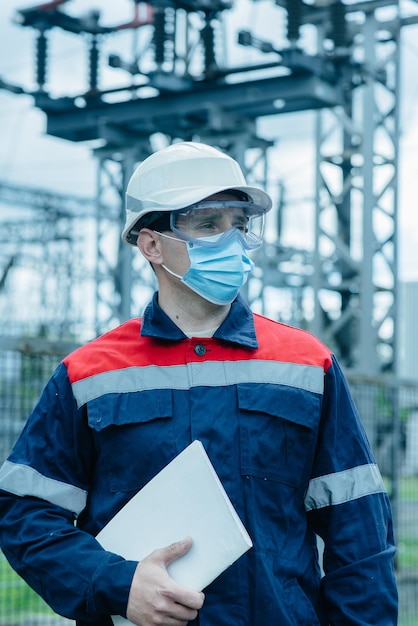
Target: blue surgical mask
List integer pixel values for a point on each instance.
(216, 273)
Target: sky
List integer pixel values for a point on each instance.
(29, 157)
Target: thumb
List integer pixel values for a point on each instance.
(175, 550)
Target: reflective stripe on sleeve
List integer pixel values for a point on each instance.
(23, 480)
(344, 486)
(208, 374)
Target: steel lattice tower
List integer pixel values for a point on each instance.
(179, 89)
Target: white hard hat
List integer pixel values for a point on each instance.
(180, 175)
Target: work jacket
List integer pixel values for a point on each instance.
(273, 411)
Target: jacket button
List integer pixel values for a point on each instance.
(200, 350)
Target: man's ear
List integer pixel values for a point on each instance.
(149, 244)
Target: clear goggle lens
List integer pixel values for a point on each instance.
(220, 220)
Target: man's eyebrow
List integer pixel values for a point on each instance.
(207, 213)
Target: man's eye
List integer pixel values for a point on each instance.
(206, 225)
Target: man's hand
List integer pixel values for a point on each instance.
(155, 599)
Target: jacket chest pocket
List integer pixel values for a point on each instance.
(134, 437)
(278, 427)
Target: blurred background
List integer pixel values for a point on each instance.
(317, 100)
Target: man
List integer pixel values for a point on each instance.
(268, 402)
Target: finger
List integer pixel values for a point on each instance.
(186, 597)
(173, 602)
(183, 613)
(174, 551)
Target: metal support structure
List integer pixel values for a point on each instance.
(44, 243)
(43, 288)
(124, 281)
(355, 278)
(178, 88)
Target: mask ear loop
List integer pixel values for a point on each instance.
(171, 272)
(174, 239)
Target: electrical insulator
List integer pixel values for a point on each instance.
(93, 65)
(159, 37)
(294, 10)
(208, 39)
(41, 59)
(338, 24)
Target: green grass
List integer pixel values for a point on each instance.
(407, 553)
(16, 598)
(408, 489)
(408, 545)
(410, 620)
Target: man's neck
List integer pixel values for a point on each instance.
(191, 312)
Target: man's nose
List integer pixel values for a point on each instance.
(227, 223)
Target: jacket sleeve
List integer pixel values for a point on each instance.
(44, 486)
(349, 509)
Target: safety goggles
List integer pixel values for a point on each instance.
(212, 223)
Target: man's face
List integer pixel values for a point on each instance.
(199, 223)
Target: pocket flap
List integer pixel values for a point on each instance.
(293, 405)
(131, 408)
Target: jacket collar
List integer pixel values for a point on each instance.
(238, 326)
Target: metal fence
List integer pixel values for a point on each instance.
(389, 410)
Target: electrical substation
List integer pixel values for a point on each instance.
(175, 82)
(322, 79)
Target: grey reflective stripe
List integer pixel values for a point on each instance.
(344, 486)
(23, 480)
(208, 374)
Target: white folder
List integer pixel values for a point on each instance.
(185, 499)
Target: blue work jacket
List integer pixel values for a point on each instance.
(273, 410)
